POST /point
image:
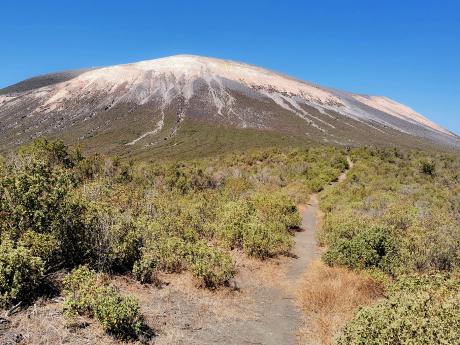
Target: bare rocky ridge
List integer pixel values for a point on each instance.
(140, 106)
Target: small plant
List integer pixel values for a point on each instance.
(372, 248)
(145, 269)
(232, 217)
(264, 240)
(80, 288)
(170, 254)
(86, 293)
(44, 246)
(428, 168)
(20, 273)
(277, 207)
(118, 315)
(210, 266)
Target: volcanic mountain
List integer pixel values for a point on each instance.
(192, 103)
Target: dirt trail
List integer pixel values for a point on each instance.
(278, 318)
(262, 312)
(267, 311)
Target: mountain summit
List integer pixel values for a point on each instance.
(161, 103)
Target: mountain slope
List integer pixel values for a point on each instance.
(155, 105)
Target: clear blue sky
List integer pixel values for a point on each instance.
(407, 50)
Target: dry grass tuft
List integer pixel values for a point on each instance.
(329, 296)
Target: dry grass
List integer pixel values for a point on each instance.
(329, 296)
(43, 323)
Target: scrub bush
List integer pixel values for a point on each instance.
(264, 240)
(44, 246)
(20, 273)
(276, 207)
(372, 248)
(210, 266)
(419, 310)
(86, 293)
(231, 222)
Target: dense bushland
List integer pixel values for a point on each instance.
(398, 214)
(60, 209)
(395, 214)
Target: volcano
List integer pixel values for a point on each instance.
(192, 103)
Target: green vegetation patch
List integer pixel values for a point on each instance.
(398, 217)
(420, 310)
(87, 294)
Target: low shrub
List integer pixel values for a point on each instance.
(168, 254)
(86, 293)
(372, 248)
(210, 266)
(20, 273)
(118, 315)
(277, 207)
(44, 246)
(419, 310)
(79, 289)
(316, 184)
(145, 269)
(114, 240)
(38, 197)
(428, 167)
(231, 220)
(260, 225)
(264, 240)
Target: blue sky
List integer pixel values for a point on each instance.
(406, 50)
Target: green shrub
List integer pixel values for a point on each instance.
(20, 273)
(210, 266)
(259, 226)
(114, 241)
(179, 216)
(37, 197)
(434, 243)
(32, 195)
(428, 168)
(419, 311)
(277, 207)
(373, 247)
(264, 240)
(144, 270)
(79, 289)
(231, 220)
(342, 225)
(44, 246)
(171, 254)
(53, 152)
(126, 243)
(118, 315)
(316, 184)
(165, 253)
(86, 293)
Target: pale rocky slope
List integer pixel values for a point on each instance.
(145, 104)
